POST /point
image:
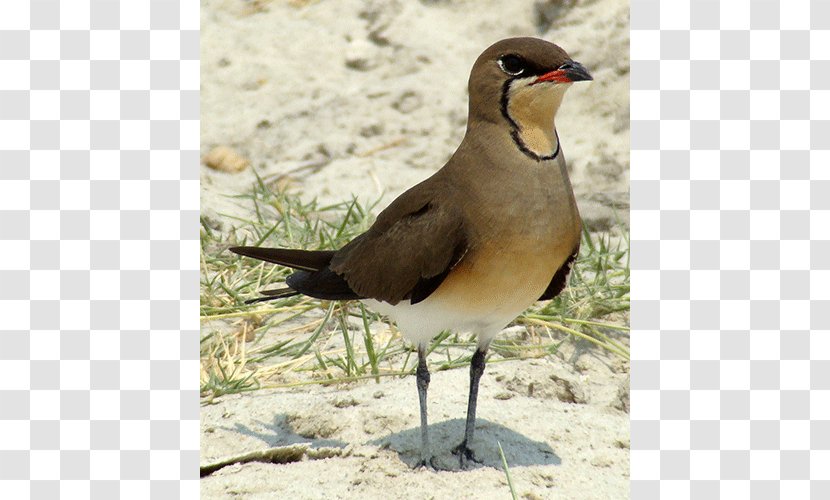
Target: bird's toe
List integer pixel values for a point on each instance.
(466, 456)
(426, 463)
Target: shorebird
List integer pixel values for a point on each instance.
(471, 247)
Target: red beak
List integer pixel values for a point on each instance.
(569, 72)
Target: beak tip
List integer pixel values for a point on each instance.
(580, 73)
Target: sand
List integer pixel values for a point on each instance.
(560, 424)
(347, 96)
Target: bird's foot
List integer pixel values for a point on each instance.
(426, 463)
(466, 456)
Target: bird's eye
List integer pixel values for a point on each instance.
(512, 65)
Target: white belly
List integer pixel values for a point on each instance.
(421, 322)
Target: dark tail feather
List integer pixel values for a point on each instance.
(307, 260)
(277, 293)
(313, 276)
(323, 284)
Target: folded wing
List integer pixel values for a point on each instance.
(406, 254)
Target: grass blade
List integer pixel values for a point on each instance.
(507, 473)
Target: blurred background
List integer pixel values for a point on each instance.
(370, 97)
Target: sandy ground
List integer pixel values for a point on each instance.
(560, 424)
(369, 97)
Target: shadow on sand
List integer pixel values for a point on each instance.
(519, 450)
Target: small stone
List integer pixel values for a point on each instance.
(408, 102)
(371, 130)
(360, 56)
(570, 390)
(345, 402)
(226, 159)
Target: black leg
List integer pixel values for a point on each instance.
(463, 450)
(422, 380)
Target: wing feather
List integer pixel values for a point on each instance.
(560, 278)
(407, 252)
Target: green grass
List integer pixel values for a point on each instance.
(507, 474)
(298, 341)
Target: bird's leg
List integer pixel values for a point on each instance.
(463, 450)
(422, 380)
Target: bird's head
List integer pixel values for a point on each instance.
(520, 83)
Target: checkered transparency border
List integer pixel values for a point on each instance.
(730, 193)
(99, 139)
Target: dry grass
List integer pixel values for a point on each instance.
(298, 341)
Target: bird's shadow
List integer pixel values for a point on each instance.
(519, 450)
(280, 433)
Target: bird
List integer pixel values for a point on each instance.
(494, 230)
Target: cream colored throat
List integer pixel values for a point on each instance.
(532, 108)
